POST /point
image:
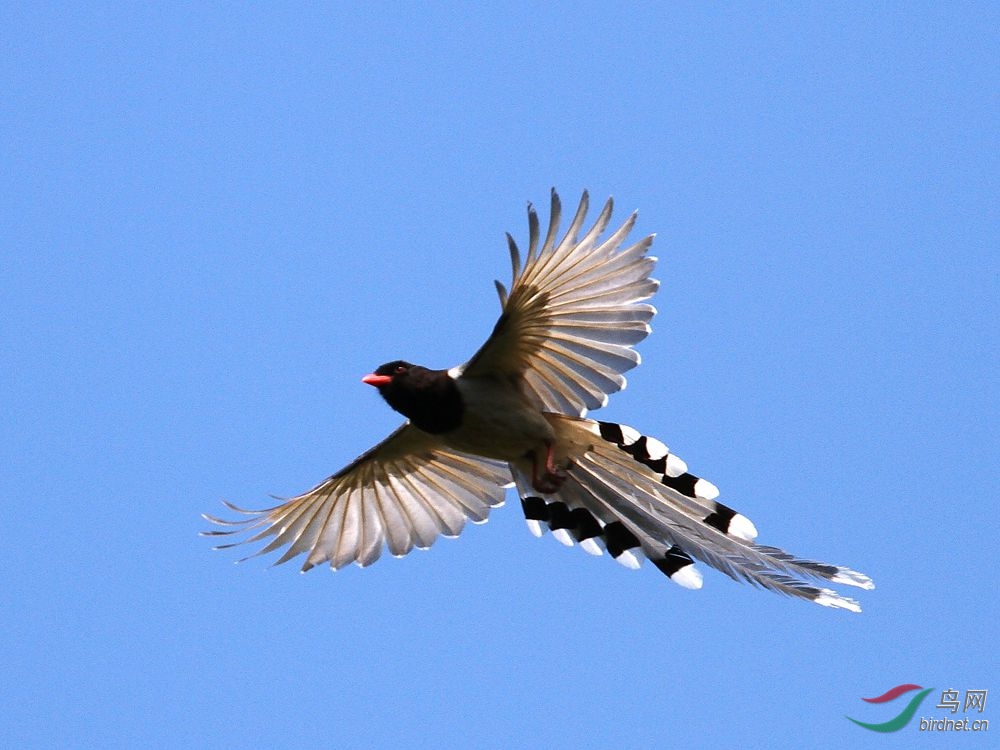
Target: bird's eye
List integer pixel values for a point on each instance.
(400, 369)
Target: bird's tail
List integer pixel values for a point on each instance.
(627, 494)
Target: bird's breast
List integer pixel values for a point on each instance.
(497, 421)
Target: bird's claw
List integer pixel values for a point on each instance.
(549, 482)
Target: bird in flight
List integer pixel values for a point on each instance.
(516, 412)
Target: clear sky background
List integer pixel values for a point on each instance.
(214, 220)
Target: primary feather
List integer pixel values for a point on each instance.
(572, 315)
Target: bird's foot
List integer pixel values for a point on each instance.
(549, 482)
(553, 477)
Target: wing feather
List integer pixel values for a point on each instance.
(401, 494)
(572, 313)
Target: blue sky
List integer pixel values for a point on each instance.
(214, 220)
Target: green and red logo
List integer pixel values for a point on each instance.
(904, 716)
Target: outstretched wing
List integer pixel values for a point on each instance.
(403, 493)
(573, 313)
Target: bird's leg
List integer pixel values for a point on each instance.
(553, 477)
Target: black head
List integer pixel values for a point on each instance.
(384, 375)
(429, 398)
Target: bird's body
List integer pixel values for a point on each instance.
(499, 421)
(516, 410)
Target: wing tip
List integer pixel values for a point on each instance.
(501, 292)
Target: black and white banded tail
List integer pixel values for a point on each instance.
(629, 496)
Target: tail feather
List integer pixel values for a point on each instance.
(694, 492)
(589, 524)
(629, 495)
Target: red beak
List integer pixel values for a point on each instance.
(376, 380)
